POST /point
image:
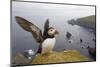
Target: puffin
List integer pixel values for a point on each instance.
(46, 39)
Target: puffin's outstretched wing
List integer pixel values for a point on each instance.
(46, 27)
(28, 26)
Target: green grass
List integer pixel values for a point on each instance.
(59, 57)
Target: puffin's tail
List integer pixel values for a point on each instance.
(39, 49)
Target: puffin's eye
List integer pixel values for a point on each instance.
(50, 30)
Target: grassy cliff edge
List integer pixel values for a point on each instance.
(59, 57)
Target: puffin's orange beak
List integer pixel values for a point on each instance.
(56, 32)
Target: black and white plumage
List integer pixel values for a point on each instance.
(46, 40)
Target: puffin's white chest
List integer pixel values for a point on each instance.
(48, 45)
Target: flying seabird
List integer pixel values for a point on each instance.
(46, 40)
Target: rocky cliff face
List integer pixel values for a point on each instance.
(88, 21)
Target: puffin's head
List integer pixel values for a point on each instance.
(52, 31)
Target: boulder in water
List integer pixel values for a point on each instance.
(81, 40)
(68, 35)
